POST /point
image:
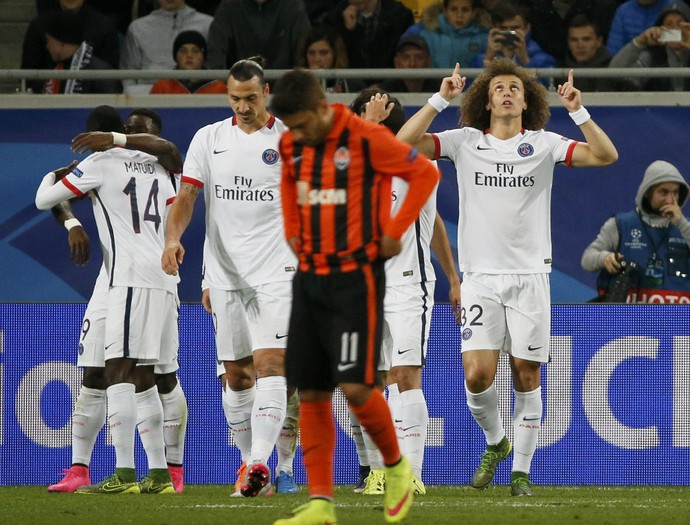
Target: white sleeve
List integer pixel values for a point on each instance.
(196, 161)
(559, 144)
(49, 193)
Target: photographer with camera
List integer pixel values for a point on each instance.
(665, 44)
(645, 252)
(509, 37)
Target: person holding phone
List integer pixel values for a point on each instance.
(509, 37)
(665, 44)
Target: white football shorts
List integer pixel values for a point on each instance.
(250, 319)
(92, 339)
(507, 312)
(141, 323)
(406, 320)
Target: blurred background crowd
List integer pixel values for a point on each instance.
(371, 34)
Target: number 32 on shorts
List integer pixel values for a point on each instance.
(473, 314)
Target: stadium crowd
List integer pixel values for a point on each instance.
(353, 34)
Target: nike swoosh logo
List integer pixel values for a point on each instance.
(401, 352)
(482, 149)
(342, 368)
(267, 407)
(278, 336)
(408, 428)
(217, 151)
(395, 510)
(533, 348)
(108, 346)
(398, 420)
(239, 422)
(531, 418)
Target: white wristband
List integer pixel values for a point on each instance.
(119, 139)
(437, 102)
(580, 116)
(71, 223)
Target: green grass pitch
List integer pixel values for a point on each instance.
(211, 504)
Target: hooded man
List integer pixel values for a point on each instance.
(654, 236)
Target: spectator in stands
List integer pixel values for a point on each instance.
(68, 49)
(370, 30)
(586, 49)
(273, 29)
(654, 236)
(189, 51)
(150, 38)
(632, 18)
(144, 7)
(324, 49)
(412, 53)
(453, 34)
(652, 48)
(509, 37)
(100, 33)
(119, 11)
(550, 21)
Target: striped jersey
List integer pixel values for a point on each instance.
(337, 195)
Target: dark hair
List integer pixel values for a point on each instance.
(584, 20)
(297, 90)
(506, 10)
(474, 112)
(394, 121)
(106, 119)
(475, 4)
(149, 113)
(248, 68)
(333, 39)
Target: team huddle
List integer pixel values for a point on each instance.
(320, 221)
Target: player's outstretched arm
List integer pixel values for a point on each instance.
(178, 219)
(414, 130)
(597, 150)
(167, 153)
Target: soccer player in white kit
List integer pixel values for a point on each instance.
(89, 412)
(130, 192)
(504, 161)
(407, 308)
(248, 268)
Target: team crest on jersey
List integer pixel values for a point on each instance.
(270, 156)
(466, 334)
(341, 158)
(525, 150)
(77, 172)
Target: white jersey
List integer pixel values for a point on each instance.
(245, 239)
(413, 263)
(130, 192)
(504, 188)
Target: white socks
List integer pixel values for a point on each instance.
(150, 425)
(484, 409)
(88, 418)
(287, 439)
(122, 414)
(358, 438)
(395, 406)
(174, 424)
(268, 415)
(415, 420)
(237, 407)
(527, 415)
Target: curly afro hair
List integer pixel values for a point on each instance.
(474, 112)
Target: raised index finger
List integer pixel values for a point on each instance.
(570, 77)
(456, 71)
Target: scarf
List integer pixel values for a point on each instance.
(80, 60)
